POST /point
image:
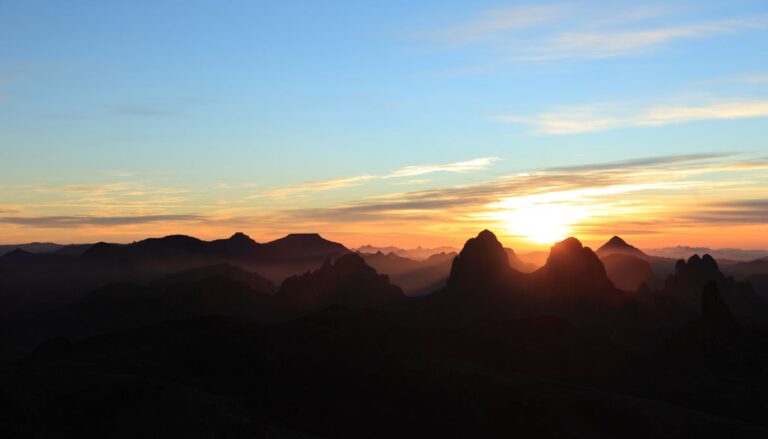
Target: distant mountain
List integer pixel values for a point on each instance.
(517, 263)
(685, 252)
(536, 258)
(628, 267)
(32, 247)
(415, 277)
(301, 246)
(616, 245)
(743, 270)
(418, 253)
(178, 252)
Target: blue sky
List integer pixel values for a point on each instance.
(221, 112)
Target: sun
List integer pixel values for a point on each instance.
(543, 223)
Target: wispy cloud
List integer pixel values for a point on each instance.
(489, 24)
(535, 33)
(609, 44)
(408, 171)
(86, 220)
(318, 186)
(644, 162)
(601, 117)
(626, 192)
(460, 167)
(749, 211)
(758, 79)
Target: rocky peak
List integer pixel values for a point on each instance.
(482, 261)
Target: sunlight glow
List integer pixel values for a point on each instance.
(543, 223)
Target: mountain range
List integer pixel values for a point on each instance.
(301, 337)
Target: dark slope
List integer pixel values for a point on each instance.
(348, 282)
(690, 278)
(743, 270)
(628, 272)
(337, 374)
(225, 290)
(227, 271)
(495, 353)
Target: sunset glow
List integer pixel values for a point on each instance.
(543, 223)
(392, 128)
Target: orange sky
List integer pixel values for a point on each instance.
(709, 200)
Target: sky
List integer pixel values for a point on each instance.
(403, 122)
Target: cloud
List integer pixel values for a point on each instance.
(609, 44)
(601, 117)
(86, 220)
(488, 24)
(408, 171)
(750, 211)
(641, 162)
(119, 173)
(536, 33)
(632, 192)
(465, 166)
(318, 186)
(757, 79)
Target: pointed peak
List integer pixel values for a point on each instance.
(618, 245)
(616, 240)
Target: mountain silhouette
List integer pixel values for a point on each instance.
(693, 275)
(32, 247)
(419, 253)
(301, 246)
(178, 336)
(573, 270)
(482, 264)
(277, 259)
(618, 245)
(347, 282)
